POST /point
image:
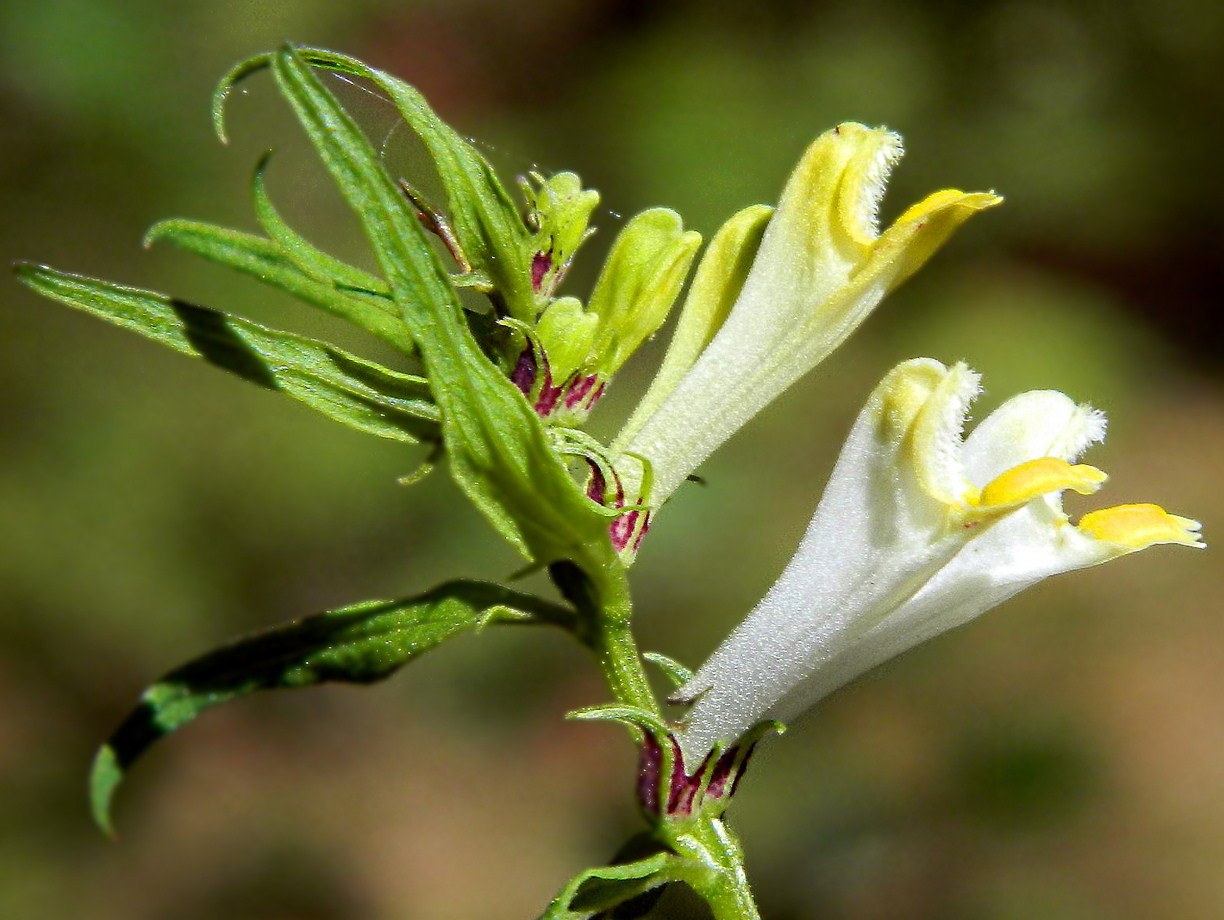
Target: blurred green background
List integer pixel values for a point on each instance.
(1062, 758)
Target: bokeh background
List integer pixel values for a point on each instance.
(1062, 758)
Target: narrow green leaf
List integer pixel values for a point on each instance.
(236, 75)
(308, 257)
(594, 891)
(678, 674)
(632, 716)
(265, 260)
(360, 644)
(499, 452)
(486, 222)
(491, 232)
(345, 388)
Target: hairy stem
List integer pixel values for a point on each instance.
(605, 610)
(724, 884)
(616, 648)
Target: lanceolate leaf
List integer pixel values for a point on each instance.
(497, 446)
(677, 674)
(308, 257)
(358, 644)
(486, 222)
(596, 892)
(265, 260)
(345, 388)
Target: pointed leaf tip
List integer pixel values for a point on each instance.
(499, 453)
(674, 671)
(359, 644)
(236, 75)
(104, 777)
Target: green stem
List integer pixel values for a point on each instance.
(724, 886)
(707, 846)
(611, 639)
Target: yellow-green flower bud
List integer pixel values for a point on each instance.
(559, 211)
(639, 283)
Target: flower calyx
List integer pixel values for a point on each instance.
(629, 514)
(667, 792)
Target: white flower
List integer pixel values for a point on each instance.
(822, 267)
(917, 532)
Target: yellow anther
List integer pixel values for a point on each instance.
(1140, 526)
(1039, 477)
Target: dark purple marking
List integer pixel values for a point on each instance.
(721, 773)
(680, 803)
(685, 786)
(637, 541)
(621, 530)
(577, 390)
(597, 485)
(681, 790)
(525, 370)
(620, 489)
(686, 793)
(743, 769)
(541, 262)
(546, 402)
(650, 765)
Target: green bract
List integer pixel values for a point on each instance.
(495, 243)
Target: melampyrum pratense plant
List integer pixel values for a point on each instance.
(919, 529)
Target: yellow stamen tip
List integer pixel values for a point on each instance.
(1039, 477)
(1140, 526)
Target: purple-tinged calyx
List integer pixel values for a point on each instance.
(541, 262)
(525, 371)
(566, 403)
(605, 487)
(558, 212)
(668, 792)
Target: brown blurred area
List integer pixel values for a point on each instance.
(1062, 758)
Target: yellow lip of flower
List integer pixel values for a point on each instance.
(902, 548)
(1028, 480)
(1134, 527)
(820, 269)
